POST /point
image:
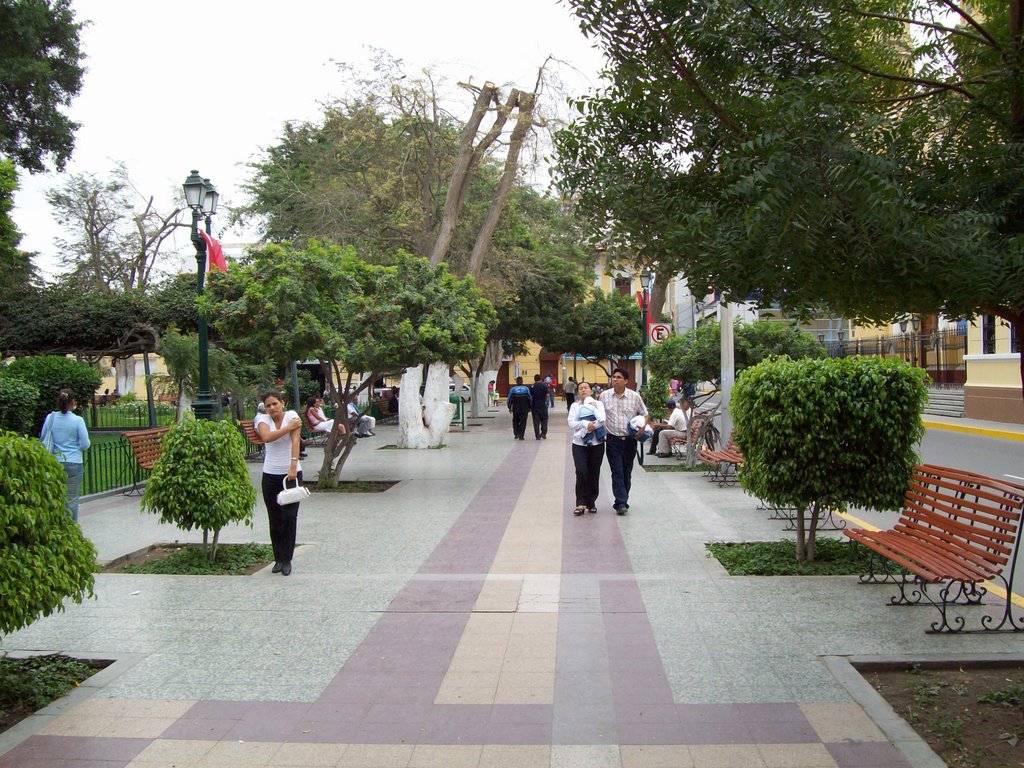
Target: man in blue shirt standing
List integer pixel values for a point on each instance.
(519, 403)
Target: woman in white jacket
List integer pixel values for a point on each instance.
(586, 420)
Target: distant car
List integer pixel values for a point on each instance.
(466, 394)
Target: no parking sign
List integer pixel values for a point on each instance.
(658, 332)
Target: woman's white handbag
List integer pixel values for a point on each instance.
(292, 495)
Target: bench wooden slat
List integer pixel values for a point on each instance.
(146, 445)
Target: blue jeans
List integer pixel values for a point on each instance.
(73, 474)
(621, 453)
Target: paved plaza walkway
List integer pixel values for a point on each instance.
(465, 617)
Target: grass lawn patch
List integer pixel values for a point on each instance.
(778, 558)
(191, 560)
(28, 685)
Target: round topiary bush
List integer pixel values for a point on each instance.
(828, 433)
(18, 401)
(44, 558)
(51, 373)
(201, 481)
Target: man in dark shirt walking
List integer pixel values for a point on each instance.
(519, 402)
(539, 409)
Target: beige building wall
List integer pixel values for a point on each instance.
(993, 388)
(156, 368)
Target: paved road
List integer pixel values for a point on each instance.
(993, 456)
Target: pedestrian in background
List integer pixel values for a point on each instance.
(620, 406)
(569, 390)
(66, 438)
(519, 402)
(539, 408)
(677, 425)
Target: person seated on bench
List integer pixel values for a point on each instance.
(365, 424)
(677, 425)
(393, 402)
(316, 417)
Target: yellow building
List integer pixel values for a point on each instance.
(624, 280)
(993, 388)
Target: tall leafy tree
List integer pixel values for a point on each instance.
(324, 302)
(696, 355)
(15, 265)
(862, 157)
(607, 328)
(115, 233)
(40, 72)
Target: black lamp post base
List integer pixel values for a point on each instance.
(203, 408)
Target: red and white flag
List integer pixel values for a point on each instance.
(214, 254)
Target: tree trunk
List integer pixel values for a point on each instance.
(486, 369)
(412, 433)
(437, 409)
(659, 291)
(812, 533)
(213, 549)
(801, 535)
(124, 370)
(524, 121)
(461, 174)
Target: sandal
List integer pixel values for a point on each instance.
(592, 510)
(579, 510)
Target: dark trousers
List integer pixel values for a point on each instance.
(540, 422)
(621, 454)
(587, 459)
(519, 423)
(283, 520)
(570, 398)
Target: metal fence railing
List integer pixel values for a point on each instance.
(110, 465)
(940, 354)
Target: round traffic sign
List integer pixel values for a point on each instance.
(660, 332)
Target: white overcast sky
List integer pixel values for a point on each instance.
(173, 85)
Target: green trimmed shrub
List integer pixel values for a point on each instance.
(51, 373)
(44, 558)
(828, 433)
(17, 404)
(200, 481)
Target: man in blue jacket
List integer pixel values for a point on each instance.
(519, 402)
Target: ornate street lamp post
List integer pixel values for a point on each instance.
(645, 283)
(201, 197)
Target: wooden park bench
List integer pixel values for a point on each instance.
(958, 529)
(379, 411)
(700, 433)
(723, 464)
(252, 437)
(146, 446)
(311, 436)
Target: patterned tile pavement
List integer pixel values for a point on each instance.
(466, 618)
